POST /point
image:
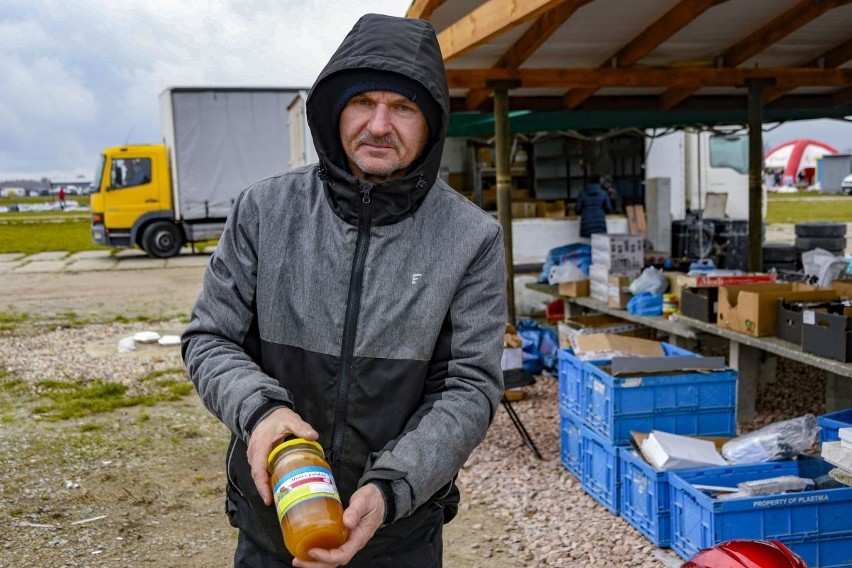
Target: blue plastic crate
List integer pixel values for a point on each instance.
(689, 403)
(816, 525)
(571, 442)
(600, 469)
(831, 423)
(645, 497)
(572, 376)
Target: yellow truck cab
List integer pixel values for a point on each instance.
(132, 201)
(216, 142)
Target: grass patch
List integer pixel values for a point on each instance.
(101, 397)
(797, 211)
(10, 320)
(74, 235)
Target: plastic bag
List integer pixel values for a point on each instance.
(645, 304)
(774, 485)
(565, 272)
(778, 441)
(822, 267)
(579, 254)
(651, 280)
(540, 347)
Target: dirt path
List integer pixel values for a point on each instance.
(140, 486)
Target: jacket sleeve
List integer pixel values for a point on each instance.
(578, 205)
(218, 342)
(463, 388)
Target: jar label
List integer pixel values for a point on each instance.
(303, 484)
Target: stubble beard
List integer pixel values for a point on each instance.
(374, 173)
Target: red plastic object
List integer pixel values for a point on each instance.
(746, 554)
(555, 310)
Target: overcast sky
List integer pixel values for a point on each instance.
(79, 76)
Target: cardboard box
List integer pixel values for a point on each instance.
(828, 334)
(586, 325)
(603, 346)
(575, 289)
(844, 288)
(752, 308)
(550, 209)
(618, 252)
(485, 155)
(678, 281)
(699, 303)
(619, 291)
(523, 209)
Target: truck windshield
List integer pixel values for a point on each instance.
(729, 151)
(99, 174)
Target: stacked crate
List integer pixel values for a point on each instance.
(622, 255)
(598, 411)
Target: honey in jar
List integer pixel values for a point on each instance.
(306, 497)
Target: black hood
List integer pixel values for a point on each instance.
(400, 45)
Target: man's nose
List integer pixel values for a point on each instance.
(379, 123)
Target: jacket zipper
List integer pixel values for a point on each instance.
(350, 323)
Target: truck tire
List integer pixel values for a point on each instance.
(827, 243)
(162, 239)
(779, 252)
(820, 229)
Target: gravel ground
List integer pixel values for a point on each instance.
(153, 474)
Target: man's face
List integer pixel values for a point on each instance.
(382, 134)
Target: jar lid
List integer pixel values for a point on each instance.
(289, 444)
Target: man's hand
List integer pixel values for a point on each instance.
(363, 517)
(273, 427)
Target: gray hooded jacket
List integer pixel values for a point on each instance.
(374, 311)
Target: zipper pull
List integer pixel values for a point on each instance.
(421, 183)
(365, 195)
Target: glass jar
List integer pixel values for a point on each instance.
(306, 497)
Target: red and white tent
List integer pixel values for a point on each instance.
(797, 156)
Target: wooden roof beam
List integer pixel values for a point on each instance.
(678, 17)
(661, 77)
(489, 20)
(834, 57)
(423, 9)
(771, 32)
(528, 44)
(842, 98)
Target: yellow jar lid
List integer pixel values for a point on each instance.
(289, 444)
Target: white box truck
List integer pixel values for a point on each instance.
(216, 141)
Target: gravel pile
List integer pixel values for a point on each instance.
(549, 519)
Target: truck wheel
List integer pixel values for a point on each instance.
(162, 239)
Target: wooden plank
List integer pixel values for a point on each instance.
(489, 20)
(636, 222)
(688, 78)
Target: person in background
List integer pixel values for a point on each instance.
(359, 302)
(592, 205)
(61, 196)
(612, 192)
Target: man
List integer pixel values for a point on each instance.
(359, 302)
(592, 206)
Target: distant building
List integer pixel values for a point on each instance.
(76, 187)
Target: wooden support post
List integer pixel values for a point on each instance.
(755, 173)
(502, 146)
(838, 392)
(755, 369)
